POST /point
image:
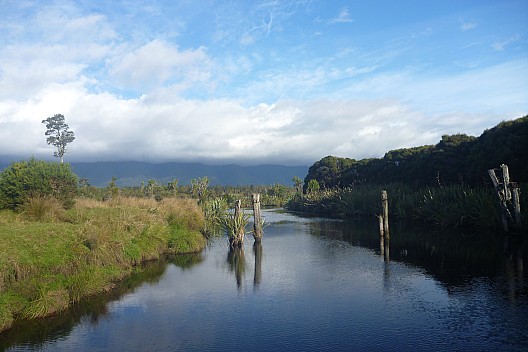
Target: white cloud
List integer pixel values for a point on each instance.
(468, 25)
(343, 17)
(162, 126)
(500, 45)
(159, 62)
(199, 99)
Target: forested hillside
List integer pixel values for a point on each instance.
(459, 159)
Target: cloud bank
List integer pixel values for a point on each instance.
(275, 86)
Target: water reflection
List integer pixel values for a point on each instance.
(34, 333)
(325, 292)
(236, 262)
(257, 277)
(514, 249)
(451, 256)
(385, 248)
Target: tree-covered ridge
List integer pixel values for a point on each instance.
(454, 159)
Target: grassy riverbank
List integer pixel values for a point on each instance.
(51, 258)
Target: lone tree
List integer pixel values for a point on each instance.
(58, 134)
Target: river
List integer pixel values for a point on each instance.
(313, 285)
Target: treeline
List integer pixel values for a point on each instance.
(456, 159)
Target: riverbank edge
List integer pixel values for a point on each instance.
(49, 266)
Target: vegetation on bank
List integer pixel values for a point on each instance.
(62, 240)
(51, 257)
(454, 205)
(457, 159)
(446, 184)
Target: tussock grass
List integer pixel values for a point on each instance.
(43, 208)
(48, 262)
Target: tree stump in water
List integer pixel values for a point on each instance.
(236, 238)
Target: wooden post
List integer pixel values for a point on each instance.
(257, 220)
(238, 239)
(382, 239)
(385, 213)
(506, 183)
(380, 220)
(508, 193)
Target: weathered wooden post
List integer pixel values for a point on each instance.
(508, 193)
(385, 213)
(506, 181)
(382, 243)
(502, 200)
(382, 237)
(257, 219)
(238, 226)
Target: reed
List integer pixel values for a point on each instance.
(454, 205)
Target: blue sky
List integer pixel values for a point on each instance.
(285, 82)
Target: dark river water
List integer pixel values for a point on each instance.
(313, 285)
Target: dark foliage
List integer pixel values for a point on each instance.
(25, 179)
(457, 159)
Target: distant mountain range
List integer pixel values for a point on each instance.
(132, 173)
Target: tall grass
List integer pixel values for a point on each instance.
(43, 208)
(454, 205)
(48, 263)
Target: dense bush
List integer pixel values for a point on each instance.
(35, 178)
(457, 159)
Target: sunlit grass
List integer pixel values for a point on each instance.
(48, 262)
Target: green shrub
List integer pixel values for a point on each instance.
(25, 179)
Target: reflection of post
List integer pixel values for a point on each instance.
(519, 266)
(387, 250)
(257, 223)
(386, 276)
(257, 250)
(237, 263)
